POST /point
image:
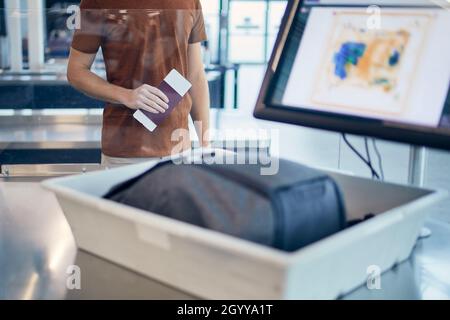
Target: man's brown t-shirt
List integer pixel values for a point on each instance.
(141, 41)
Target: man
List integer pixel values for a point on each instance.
(141, 42)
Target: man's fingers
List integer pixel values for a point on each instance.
(155, 98)
(153, 104)
(158, 93)
(142, 106)
(148, 109)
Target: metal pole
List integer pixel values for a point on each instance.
(36, 34)
(13, 20)
(416, 175)
(223, 31)
(417, 166)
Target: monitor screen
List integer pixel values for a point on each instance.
(378, 68)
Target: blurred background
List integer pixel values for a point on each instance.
(44, 121)
(241, 36)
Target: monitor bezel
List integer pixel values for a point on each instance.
(391, 131)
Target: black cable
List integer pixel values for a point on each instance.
(380, 158)
(369, 158)
(372, 170)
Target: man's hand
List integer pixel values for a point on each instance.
(81, 77)
(147, 98)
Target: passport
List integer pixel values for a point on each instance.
(175, 87)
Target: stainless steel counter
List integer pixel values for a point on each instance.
(23, 129)
(36, 248)
(50, 142)
(40, 138)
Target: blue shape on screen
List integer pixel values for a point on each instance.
(349, 53)
(394, 58)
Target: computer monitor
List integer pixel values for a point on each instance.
(372, 68)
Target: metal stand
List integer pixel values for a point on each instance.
(416, 175)
(417, 166)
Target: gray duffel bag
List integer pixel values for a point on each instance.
(287, 211)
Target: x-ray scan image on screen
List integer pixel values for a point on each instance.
(333, 69)
(398, 72)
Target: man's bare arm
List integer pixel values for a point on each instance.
(82, 78)
(199, 92)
